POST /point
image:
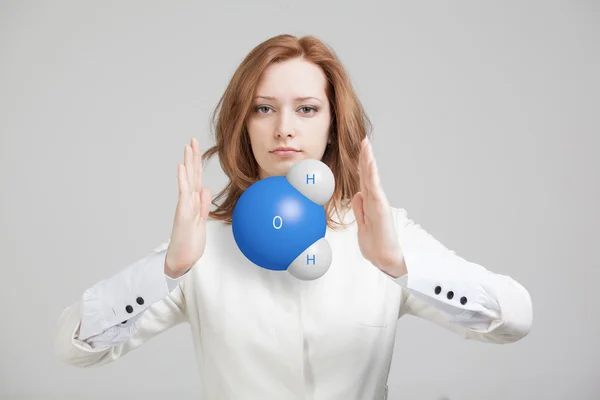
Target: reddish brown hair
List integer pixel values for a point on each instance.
(349, 124)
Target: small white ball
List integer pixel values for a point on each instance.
(313, 262)
(313, 179)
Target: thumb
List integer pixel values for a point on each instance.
(357, 207)
(205, 202)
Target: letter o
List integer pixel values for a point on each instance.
(280, 222)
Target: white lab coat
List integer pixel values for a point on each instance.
(261, 334)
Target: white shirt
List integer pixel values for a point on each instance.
(261, 334)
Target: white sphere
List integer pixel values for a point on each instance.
(313, 179)
(313, 262)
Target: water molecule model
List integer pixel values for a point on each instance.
(279, 222)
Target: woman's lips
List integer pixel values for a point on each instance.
(285, 153)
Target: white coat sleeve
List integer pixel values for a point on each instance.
(118, 314)
(91, 312)
(457, 294)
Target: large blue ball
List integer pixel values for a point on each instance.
(273, 223)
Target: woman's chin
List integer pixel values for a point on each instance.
(282, 168)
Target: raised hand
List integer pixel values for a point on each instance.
(377, 237)
(188, 237)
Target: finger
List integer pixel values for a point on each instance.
(182, 181)
(193, 165)
(362, 168)
(197, 164)
(189, 169)
(365, 166)
(378, 194)
(375, 190)
(376, 177)
(372, 180)
(368, 158)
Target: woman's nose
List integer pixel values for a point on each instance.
(285, 124)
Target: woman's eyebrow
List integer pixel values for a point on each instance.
(296, 99)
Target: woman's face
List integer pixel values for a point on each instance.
(290, 109)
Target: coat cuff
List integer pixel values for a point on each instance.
(461, 290)
(119, 299)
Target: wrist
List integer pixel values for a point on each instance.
(173, 274)
(396, 268)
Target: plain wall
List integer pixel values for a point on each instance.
(486, 128)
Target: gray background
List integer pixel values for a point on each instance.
(485, 117)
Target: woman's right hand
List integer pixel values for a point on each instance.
(188, 238)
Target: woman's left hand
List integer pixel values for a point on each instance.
(377, 236)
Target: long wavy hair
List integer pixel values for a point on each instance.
(349, 125)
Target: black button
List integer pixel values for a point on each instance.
(140, 301)
(438, 290)
(129, 309)
(124, 322)
(463, 300)
(450, 295)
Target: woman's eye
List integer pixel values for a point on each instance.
(308, 110)
(259, 108)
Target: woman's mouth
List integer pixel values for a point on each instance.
(285, 153)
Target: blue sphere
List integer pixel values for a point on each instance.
(273, 223)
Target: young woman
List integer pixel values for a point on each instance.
(261, 334)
